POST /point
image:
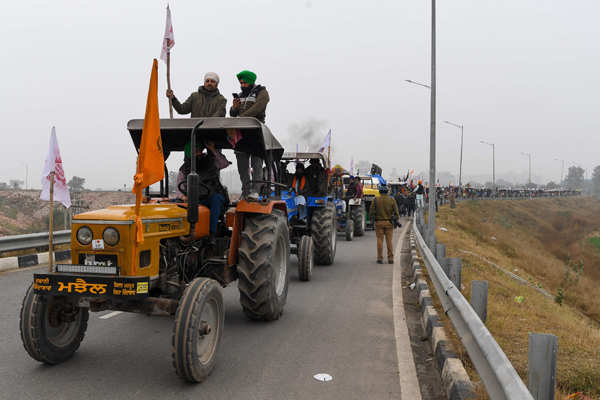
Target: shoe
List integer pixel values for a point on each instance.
(390, 261)
(379, 262)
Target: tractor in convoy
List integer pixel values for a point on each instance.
(180, 267)
(311, 211)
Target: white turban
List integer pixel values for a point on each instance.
(212, 75)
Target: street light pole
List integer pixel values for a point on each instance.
(461, 150)
(432, 188)
(528, 155)
(493, 161)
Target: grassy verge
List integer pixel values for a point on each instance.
(535, 240)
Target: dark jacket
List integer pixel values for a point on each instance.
(384, 208)
(202, 104)
(253, 105)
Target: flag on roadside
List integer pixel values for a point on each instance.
(150, 162)
(169, 38)
(54, 164)
(326, 143)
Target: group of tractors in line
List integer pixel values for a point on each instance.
(180, 267)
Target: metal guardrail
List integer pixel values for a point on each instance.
(32, 241)
(499, 377)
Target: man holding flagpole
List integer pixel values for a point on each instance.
(54, 186)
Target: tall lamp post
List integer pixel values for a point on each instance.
(529, 156)
(461, 150)
(562, 170)
(493, 161)
(432, 88)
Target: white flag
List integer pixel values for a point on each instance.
(169, 38)
(54, 164)
(326, 143)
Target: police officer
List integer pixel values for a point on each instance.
(385, 211)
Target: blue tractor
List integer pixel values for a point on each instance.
(311, 211)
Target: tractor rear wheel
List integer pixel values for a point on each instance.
(198, 329)
(357, 214)
(324, 233)
(305, 258)
(52, 328)
(263, 268)
(349, 230)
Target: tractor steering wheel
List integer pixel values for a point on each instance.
(204, 188)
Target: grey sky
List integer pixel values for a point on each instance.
(520, 73)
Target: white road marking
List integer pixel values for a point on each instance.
(407, 371)
(323, 377)
(110, 315)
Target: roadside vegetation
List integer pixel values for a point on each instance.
(555, 245)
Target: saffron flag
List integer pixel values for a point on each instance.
(169, 38)
(150, 162)
(54, 164)
(326, 143)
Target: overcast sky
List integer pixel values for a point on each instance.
(520, 73)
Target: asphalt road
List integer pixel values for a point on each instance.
(340, 323)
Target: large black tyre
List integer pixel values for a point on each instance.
(349, 231)
(357, 213)
(198, 329)
(324, 233)
(45, 335)
(305, 258)
(263, 268)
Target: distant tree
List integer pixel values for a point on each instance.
(76, 184)
(503, 183)
(3, 185)
(15, 184)
(596, 181)
(552, 185)
(574, 179)
(531, 185)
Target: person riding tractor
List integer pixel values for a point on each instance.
(177, 260)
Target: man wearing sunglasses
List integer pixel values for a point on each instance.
(206, 102)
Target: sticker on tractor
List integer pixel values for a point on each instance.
(142, 287)
(98, 244)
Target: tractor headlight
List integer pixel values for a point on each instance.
(84, 235)
(111, 236)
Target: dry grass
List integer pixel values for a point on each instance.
(536, 238)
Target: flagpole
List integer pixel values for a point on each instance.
(169, 83)
(51, 226)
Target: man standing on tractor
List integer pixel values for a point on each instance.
(250, 102)
(385, 211)
(206, 102)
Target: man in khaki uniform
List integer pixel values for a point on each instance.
(385, 210)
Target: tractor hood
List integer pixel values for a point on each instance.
(126, 214)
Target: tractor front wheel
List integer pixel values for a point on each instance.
(198, 329)
(305, 258)
(263, 268)
(52, 328)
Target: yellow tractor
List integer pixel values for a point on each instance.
(180, 266)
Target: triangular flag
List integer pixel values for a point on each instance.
(150, 162)
(326, 143)
(54, 164)
(168, 38)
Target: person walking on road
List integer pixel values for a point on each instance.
(385, 211)
(250, 102)
(420, 191)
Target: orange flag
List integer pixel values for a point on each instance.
(150, 162)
